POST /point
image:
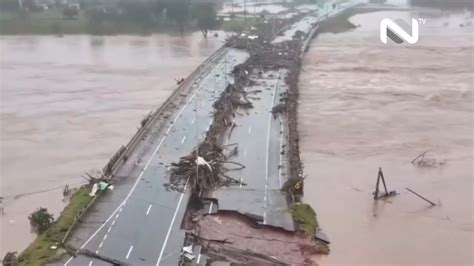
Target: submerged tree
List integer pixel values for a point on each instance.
(41, 220)
(206, 17)
(10, 259)
(178, 11)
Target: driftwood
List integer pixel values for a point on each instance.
(423, 161)
(421, 197)
(203, 169)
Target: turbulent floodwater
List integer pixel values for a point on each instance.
(365, 105)
(67, 104)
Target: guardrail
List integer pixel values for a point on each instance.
(124, 151)
(78, 217)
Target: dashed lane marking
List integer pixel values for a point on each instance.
(148, 210)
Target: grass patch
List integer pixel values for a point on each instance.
(305, 218)
(339, 23)
(48, 22)
(238, 24)
(39, 252)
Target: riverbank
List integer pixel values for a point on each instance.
(48, 246)
(53, 23)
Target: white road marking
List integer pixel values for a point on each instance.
(250, 129)
(198, 258)
(129, 251)
(194, 120)
(90, 263)
(241, 181)
(117, 216)
(105, 237)
(172, 223)
(210, 207)
(144, 168)
(101, 243)
(268, 148)
(148, 211)
(183, 139)
(108, 230)
(120, 210)
(113, 222)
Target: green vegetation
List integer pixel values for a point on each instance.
(10, 259)
(40, 251)
(136, 17)
(305, 218)
(41, 220)
(47, 22)
(339, 23)
(205, 15)
(238, 24)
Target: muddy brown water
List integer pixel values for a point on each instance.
(364, 105)
(67, 104)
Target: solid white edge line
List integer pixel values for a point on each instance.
(172, 223)
(129, 251)
(144, 168)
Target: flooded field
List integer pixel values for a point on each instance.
(366, 105)
(67, 104)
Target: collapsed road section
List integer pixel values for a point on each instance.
(138, 222)
(234, 196)
(246, 176)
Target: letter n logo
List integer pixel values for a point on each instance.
(396, 31)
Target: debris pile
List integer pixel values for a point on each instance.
(229, 236)
(424, 160)
(294, 185)
(204, 169)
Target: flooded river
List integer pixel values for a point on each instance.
(366, 105)
(67, 104)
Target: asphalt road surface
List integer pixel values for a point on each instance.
(139, 222)
(259, 135)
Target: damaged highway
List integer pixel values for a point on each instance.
(214, 175)
(246, 177)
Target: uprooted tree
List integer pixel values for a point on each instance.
(205, 168)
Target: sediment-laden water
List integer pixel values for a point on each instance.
(67, 104)
(366, 105)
